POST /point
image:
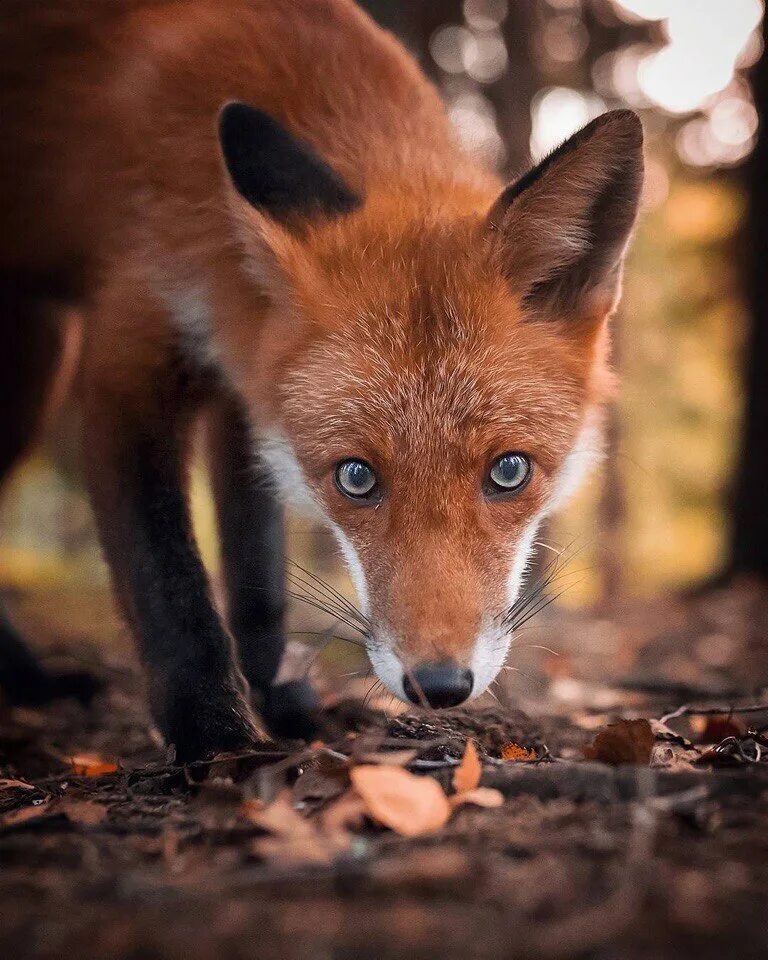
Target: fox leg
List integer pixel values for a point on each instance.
(31, 340)
(136, 418)
(253, 561)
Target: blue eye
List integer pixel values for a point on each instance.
(355, 478)
(509, 473)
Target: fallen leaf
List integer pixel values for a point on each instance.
(294, 838)
(487, 797)
(518, 754)
(717, 728)
(92, 765)
(625, 741)
(15, 785)
(395, 798)
(467, 775)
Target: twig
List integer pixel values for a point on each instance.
(688, 710)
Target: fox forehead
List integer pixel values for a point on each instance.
(436, 376)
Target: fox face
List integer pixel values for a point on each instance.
(430, 378)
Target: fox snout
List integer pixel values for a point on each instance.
(436, 609)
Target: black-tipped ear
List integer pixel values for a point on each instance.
(276, 173)
(561, 231)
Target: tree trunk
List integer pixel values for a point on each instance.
(749, 542)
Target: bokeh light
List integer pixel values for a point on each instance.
(557, 112)
(705, 41)
(485, 58)
(485, 14)
(474, 118)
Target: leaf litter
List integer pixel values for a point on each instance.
(469, 809)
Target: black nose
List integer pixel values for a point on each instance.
(440, 684)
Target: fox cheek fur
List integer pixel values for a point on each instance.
(426, 337)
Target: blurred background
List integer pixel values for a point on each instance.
(680, 503)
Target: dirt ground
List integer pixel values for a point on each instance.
(108, 850)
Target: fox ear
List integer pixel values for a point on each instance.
(276, 173)
(560, 232)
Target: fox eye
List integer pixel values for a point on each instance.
(509, 473)
(356, 479)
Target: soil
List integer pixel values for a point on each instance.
(583, 859)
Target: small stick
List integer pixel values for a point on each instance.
(688, 710)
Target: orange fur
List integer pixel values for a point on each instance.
(399, 333)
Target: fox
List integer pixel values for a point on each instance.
(264, 217)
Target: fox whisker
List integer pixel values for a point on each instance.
(309, 590)
(322, 608)
(333, 592)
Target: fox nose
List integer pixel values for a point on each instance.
(440, 684)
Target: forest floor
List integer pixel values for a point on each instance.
(377, 843)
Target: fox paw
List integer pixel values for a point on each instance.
(206, 723)
(291, 710)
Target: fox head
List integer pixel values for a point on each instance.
(430, 373)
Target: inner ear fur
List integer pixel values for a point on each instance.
(560, 232)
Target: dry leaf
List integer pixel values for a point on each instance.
(467, 775)
(405, 803)
(518, 754)
(92, 765)
(294, 839)
(625, 741)
(487, 797)
(717, 728)
(15, 785)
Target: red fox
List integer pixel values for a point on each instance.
(261, 211)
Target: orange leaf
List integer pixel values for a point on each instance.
(294, 838)
(397, 799)
(92, 765)
(514, 752)
(467, 775)
(626, 741)
(717, 728)
(487, 797)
